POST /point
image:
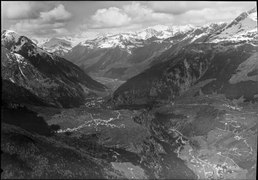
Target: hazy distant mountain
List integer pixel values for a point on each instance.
(58, 45)
(51, 78)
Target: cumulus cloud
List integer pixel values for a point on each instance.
(135, 9)
(138, 15)
(24, 9)
(57, 14)
(111, 17)
(144, 14)
(53, 18)
(18, 10)
(133, 15)
(52, 21)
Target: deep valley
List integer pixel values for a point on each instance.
(163, 102)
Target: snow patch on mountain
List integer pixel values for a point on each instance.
(19, 58)
(182, 29)
(58, 45)
(244, 27)
(136, 39)
(40, 41)
(163, 32)
(159, 28)
(125, 41)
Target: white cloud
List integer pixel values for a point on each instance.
(61, 31)
(53, 18)
(144, 14)
(132, 15)
(111, 17)
(57, 14)
(140, 15)
(135, 10)
(52, 21)
(16, 10)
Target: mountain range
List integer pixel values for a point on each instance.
(134, 55)
(124, 55)
(215, 63)
(175, 102)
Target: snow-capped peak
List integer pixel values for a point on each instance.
(161, 31)
(9, 33)
(108, 41)
(159, 28)
(182, 28)
(40, 41)
(213, 24)
(71, 40)
(9, 37)
(244, 27)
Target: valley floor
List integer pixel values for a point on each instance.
(204, 137)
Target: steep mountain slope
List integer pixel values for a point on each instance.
(243, 28)
(47, 76)
(125, 55)
(12, 93)
(32, 156)
(214, 66)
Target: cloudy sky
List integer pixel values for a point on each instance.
(86, 18)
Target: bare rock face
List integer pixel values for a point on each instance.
(47, 76)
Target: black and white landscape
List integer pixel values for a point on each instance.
(129, 90)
